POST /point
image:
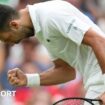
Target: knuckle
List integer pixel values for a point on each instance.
(9, 75)
(15, 81)
(15, 69)
(11, 82)
(12, 79)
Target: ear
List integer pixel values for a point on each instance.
(14, 24)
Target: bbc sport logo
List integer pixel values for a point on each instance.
(7, 93)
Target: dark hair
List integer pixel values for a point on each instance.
(7, 13)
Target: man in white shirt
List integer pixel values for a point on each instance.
(72, 39)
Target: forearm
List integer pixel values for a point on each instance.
(60, 74)
(57, 75)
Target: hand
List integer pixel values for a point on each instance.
(102, 97)
(17, 78)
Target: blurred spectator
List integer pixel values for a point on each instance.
(84, 7)
(29, 49)
(2, 56)
(33, 49)
(9, 64)
(23, 3)
(76, 3)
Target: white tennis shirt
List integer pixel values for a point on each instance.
(60, 27)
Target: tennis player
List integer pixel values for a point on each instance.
(73, 40)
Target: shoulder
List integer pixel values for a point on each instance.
(52, 7)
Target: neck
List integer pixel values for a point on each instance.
(25, 18)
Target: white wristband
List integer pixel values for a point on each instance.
(33, 80)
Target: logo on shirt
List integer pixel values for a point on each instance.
(48, 40)
(72, 22)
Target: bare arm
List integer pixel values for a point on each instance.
(60, 74)
(97, 42)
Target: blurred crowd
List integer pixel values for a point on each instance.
(31, 57)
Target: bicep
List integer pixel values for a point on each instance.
(96, 41)
(93, 38)
(65, 68)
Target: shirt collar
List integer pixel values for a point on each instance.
(34, 17)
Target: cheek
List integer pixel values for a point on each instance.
(21, 33)
(18, 35)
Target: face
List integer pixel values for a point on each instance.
(15, 36)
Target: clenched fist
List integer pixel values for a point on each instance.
(17, 78)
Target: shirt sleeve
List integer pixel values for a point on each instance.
(70, 27)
